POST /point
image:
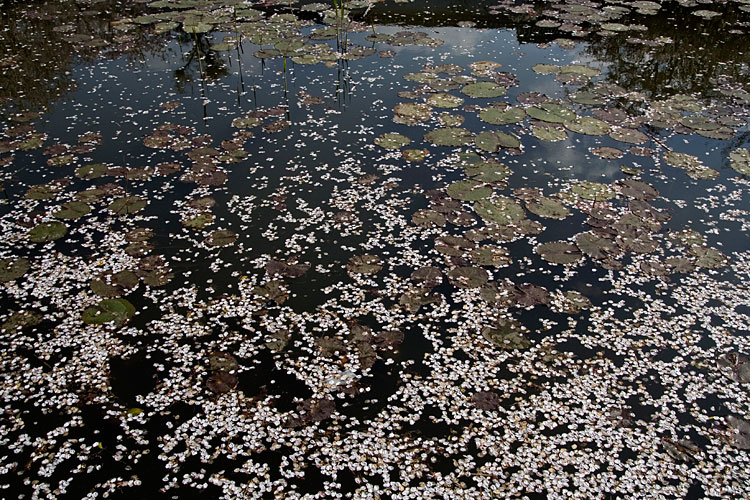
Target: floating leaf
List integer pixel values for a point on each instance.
(628, 135)
(428, 218)
(450, 136)
(549, 133)
(559, 252)
(551, 112)
(491, 141)
(469, 190)
(739, 160)
(502, 116)
(72, 210)
(11, 269)
(596, 247)
(468, 277)
(91, 171)
(547, 207)
(588, 126)
(127, 205)
(415, 298)
(392, 140)
(47, 231)
(487, 171)
(501, 210)
(364, 264)
(221, 382)
(221, 238)
(427, 276)
(441, 100)
(414, 155)
(292, 270)
(506, 334)
(708, 257)
(484, 89)
(593, 191)
(490, 255)
(117, 311)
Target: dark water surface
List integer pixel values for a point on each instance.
(390, 250)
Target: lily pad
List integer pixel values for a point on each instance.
(442, 100)
(364, 264)
(708, 257)
(547, 207)
(221, 238)
(449, 136)
(414, 155)
(490, 255)
(551, 112)
(392, 140)
(549, 132)
(92, 171)
(72, 210)
(468, 277)
(502, 116)
(588, 126)
(221, 382)
(11, 269)
(491, 141)
(127, 205)
(596, 191)
(47, 231)
(739, 160)
(596, 247)
(117, 311)
(559, 252)
(469, 190)
(506, 334)
(501, 210)
(487, 171)
(484, 89)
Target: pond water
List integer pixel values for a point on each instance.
(398, 249)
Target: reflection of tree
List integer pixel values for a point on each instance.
(42, 41)
(701, 50)
(201, 61)
(692, 63)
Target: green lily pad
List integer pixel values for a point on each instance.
(499, 116)
(547, 207)
(117, 311)
(484, 89)
(588, 126)
(72, 210)
(579, 69)
(491, 141)
(559, 252)
(414, 155)
(549, 133)
(708, 257)
(596, 247)
(428, 218)
(487, 171)
(490, 255)
(47, 231)
(469, 190)
(450, 120)
(442, 100)
(628, 135)
(91, 171)
(506, 334)
(468, 277)
(11, 269)
(587, 98)
(546, 69)
(739, 160)
(411, 113)
(551, 112)
(392, 140)
(571, 302)
(246, 122)
(19, 320)
(199, 221)
(221, 238)
(41, 192)
(597, 191)
(501, 210)
(364, 264)
(449, 136)
(127, 205)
